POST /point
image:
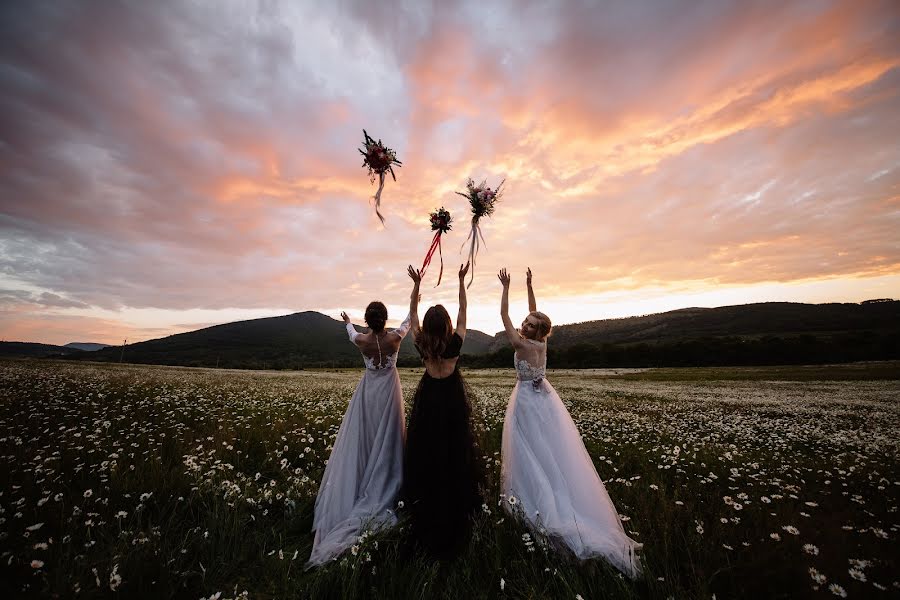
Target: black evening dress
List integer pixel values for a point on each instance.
(442, 470)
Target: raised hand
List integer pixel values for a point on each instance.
(414, 274)
(532, 303)
(504, 277)
(463, 269)
(345, 317)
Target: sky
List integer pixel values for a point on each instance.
(167, 166)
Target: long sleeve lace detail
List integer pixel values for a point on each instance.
(351, 331)
(404, 326)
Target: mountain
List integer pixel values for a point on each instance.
(752, 334)
(32, 350)
(784, 319)
(304, 339)
(770, 333)
(86, 346)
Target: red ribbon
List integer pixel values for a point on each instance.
(435, 244)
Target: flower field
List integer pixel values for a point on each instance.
(164, 482)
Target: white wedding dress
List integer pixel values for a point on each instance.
(362, 479)
(547, 469)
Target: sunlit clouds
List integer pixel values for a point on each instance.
(167, 166)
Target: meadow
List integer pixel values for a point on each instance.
(165, 482)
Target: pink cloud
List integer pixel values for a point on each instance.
(187, 158)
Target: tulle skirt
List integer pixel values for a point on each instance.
(362, 479)
(442, 474)
(548, 471)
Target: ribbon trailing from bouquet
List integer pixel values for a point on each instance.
(481, 198)
(379, 159)
(440, 224)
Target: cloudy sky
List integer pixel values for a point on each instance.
(166, 166)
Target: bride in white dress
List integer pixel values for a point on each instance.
(364, 473)
(545, 465)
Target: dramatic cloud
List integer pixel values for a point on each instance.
(161, 159)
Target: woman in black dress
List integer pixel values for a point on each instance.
(442, 477)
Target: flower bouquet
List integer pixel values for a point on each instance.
(482, 199)
(440, 224)
(379, 159)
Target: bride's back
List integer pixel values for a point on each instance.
(378, 347)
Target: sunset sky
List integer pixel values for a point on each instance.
(165, 166)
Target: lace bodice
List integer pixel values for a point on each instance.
(525, 371)
(381, 362)
(390, 361)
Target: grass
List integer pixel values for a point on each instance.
(192, 482)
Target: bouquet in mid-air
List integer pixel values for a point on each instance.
(440, 224)
(379, 159)
(482, 199)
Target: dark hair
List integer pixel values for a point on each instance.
(435, 333)
(376, 316)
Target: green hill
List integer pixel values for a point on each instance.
(300, 340)
(32, 350)
(783, 319)
(753, 334)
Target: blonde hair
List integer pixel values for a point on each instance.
(544, 325)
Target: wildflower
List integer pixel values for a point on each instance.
(811, 549)
(791, 529)
(37, 564)
(816, 576)
(857, 574)
(775, 537)
(354, 549)
(88, 493)
(34, 527)
(502, 584)
(512, 500)
(115, 580)
(837, 590)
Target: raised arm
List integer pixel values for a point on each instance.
(532, 303)
(416, 276)
(351, 330)
(404, 327)
(461, 317)
(511, 334)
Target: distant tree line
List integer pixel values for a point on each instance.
(694, 352)
(715, 351)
